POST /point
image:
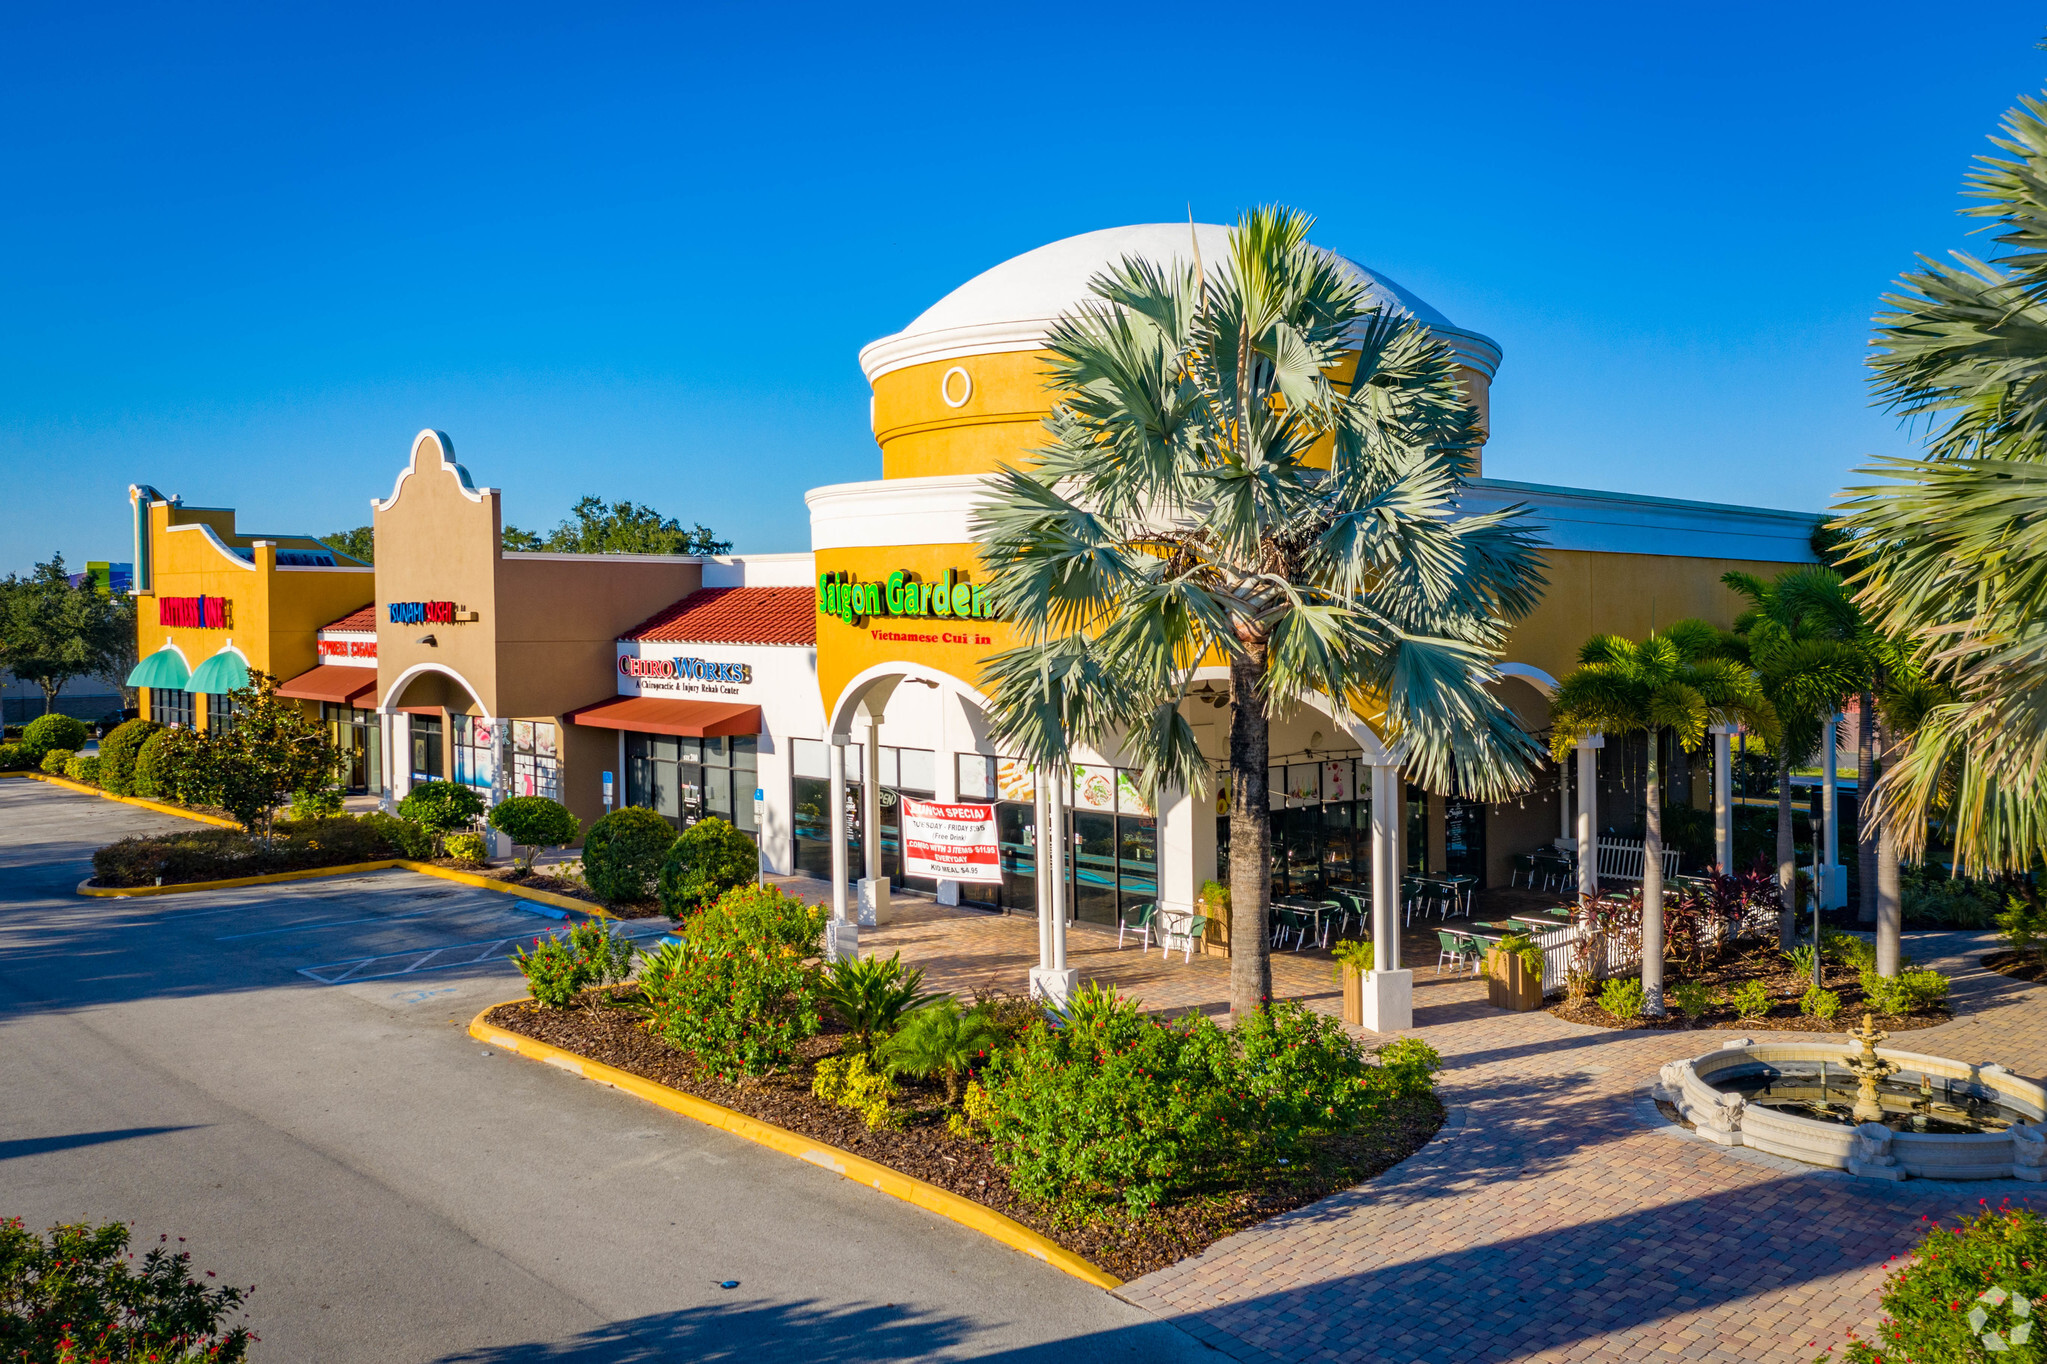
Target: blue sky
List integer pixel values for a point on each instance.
(246, 252)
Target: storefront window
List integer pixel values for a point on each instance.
(1464, 838)
(810, 806)
(536, 771)
(220, 714)
(168, 707)
(684, 780)
(355, 733)
(1112, 836)
(426, 748)
(475, 740)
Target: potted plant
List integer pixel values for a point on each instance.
(1514, 974)
(1353, 969)
(1213, 901)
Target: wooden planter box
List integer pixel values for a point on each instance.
(1353, 995)
(1510, 984)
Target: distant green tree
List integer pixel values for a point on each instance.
(599, 527)
(52, 632)
(360, 543)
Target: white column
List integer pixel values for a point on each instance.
(1564, 801)
(1588, 813)
(842, 936)
(1835, 893)
(1041, 826)
(874, 899)
(1723, 798)
(1052, 981)
(1389, 992)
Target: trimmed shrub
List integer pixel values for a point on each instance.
(465, 848)
(1820, 1003)
(1910, 991)
(872, 994)
(623, 853)
(1958, 1287)
(708, 859)
(850, 1082)
(2022, 926)
(324, 803)
(442, 807)
(1621, 997)
(534, 822)
(82, 1295)
(167, 767)
(943, 1040)
(404, 837)
(741, 992)
(118, 752)
(1751, 999)
(1693, 998)
(84, 767)
(558, 968)
(13, 758)
(54, 760)
(46, 732)
(1119, 1107)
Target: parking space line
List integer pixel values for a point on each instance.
(452, 955)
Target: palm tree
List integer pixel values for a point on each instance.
(1810, 650)
(1949, 556)
(1215, 490)
(1677, 680)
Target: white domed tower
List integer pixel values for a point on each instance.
(961, 389)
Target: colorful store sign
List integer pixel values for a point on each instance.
(427, 613)
(685, 669)
(950, 842)
(195, 613)
(348, 650)
(901, 594)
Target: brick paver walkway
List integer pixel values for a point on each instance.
(1550, 1221)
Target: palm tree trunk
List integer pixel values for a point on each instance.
(1865, 827)
(1652, 884)
(1787, 860)
(1890, 905)
(1250, 841)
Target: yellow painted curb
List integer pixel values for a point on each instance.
(546, 897)
(910, 1189)
(140, 801)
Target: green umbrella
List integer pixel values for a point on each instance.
(164, 669)
(220, 674)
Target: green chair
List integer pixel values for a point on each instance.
(1137, 919)
(1451, 947)
(1196, 930)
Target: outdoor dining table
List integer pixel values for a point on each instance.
(1316, 910)
(1173, 924)
(1544, 922)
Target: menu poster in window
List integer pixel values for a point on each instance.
(1094, 788)
(543, 738)
(1014, 780)
(1129, 799)
(522, 735)
(950, 842)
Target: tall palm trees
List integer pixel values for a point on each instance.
(1675, 680)
(1214, 491)
(1951, 555)
(1807, 643)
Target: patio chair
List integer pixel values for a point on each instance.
(1288, 919)
(1525, 864)
(1474, 951)
(1197, 929)
(1451, 949)
(1136, 919)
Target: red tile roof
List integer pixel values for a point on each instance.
(736, 615)
(363, 620)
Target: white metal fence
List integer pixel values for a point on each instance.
(1620, 954)
(1620, 859)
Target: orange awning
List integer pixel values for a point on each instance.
(336, 682)
(660, 715)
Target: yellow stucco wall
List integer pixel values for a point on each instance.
(1002, 419)
(275, 612)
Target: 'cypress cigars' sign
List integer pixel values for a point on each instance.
(900, 594)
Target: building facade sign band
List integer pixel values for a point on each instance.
(428, 613)
(902, 594)
(196, 613)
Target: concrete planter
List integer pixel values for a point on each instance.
(1510, 984)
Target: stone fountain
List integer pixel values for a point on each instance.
(1948, 1120)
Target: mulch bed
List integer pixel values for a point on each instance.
(1786, 987)
(554, 885)
(1125, 1244)
(2017, 965)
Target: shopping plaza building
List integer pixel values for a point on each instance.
(775, 690)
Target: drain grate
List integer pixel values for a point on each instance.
(456, 954)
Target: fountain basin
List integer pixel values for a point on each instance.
(1709, 1092)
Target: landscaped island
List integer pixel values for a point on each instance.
(1131, 1139)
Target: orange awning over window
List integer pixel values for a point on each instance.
(343, 685)
(660, 715)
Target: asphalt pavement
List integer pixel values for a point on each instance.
(397, 1191)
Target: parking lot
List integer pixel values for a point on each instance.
(282, 1075)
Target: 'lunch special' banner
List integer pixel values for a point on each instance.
(950, 842)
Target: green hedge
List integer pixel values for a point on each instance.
(221, 854)
(623, 853)
(46, 732)
(118, 752)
